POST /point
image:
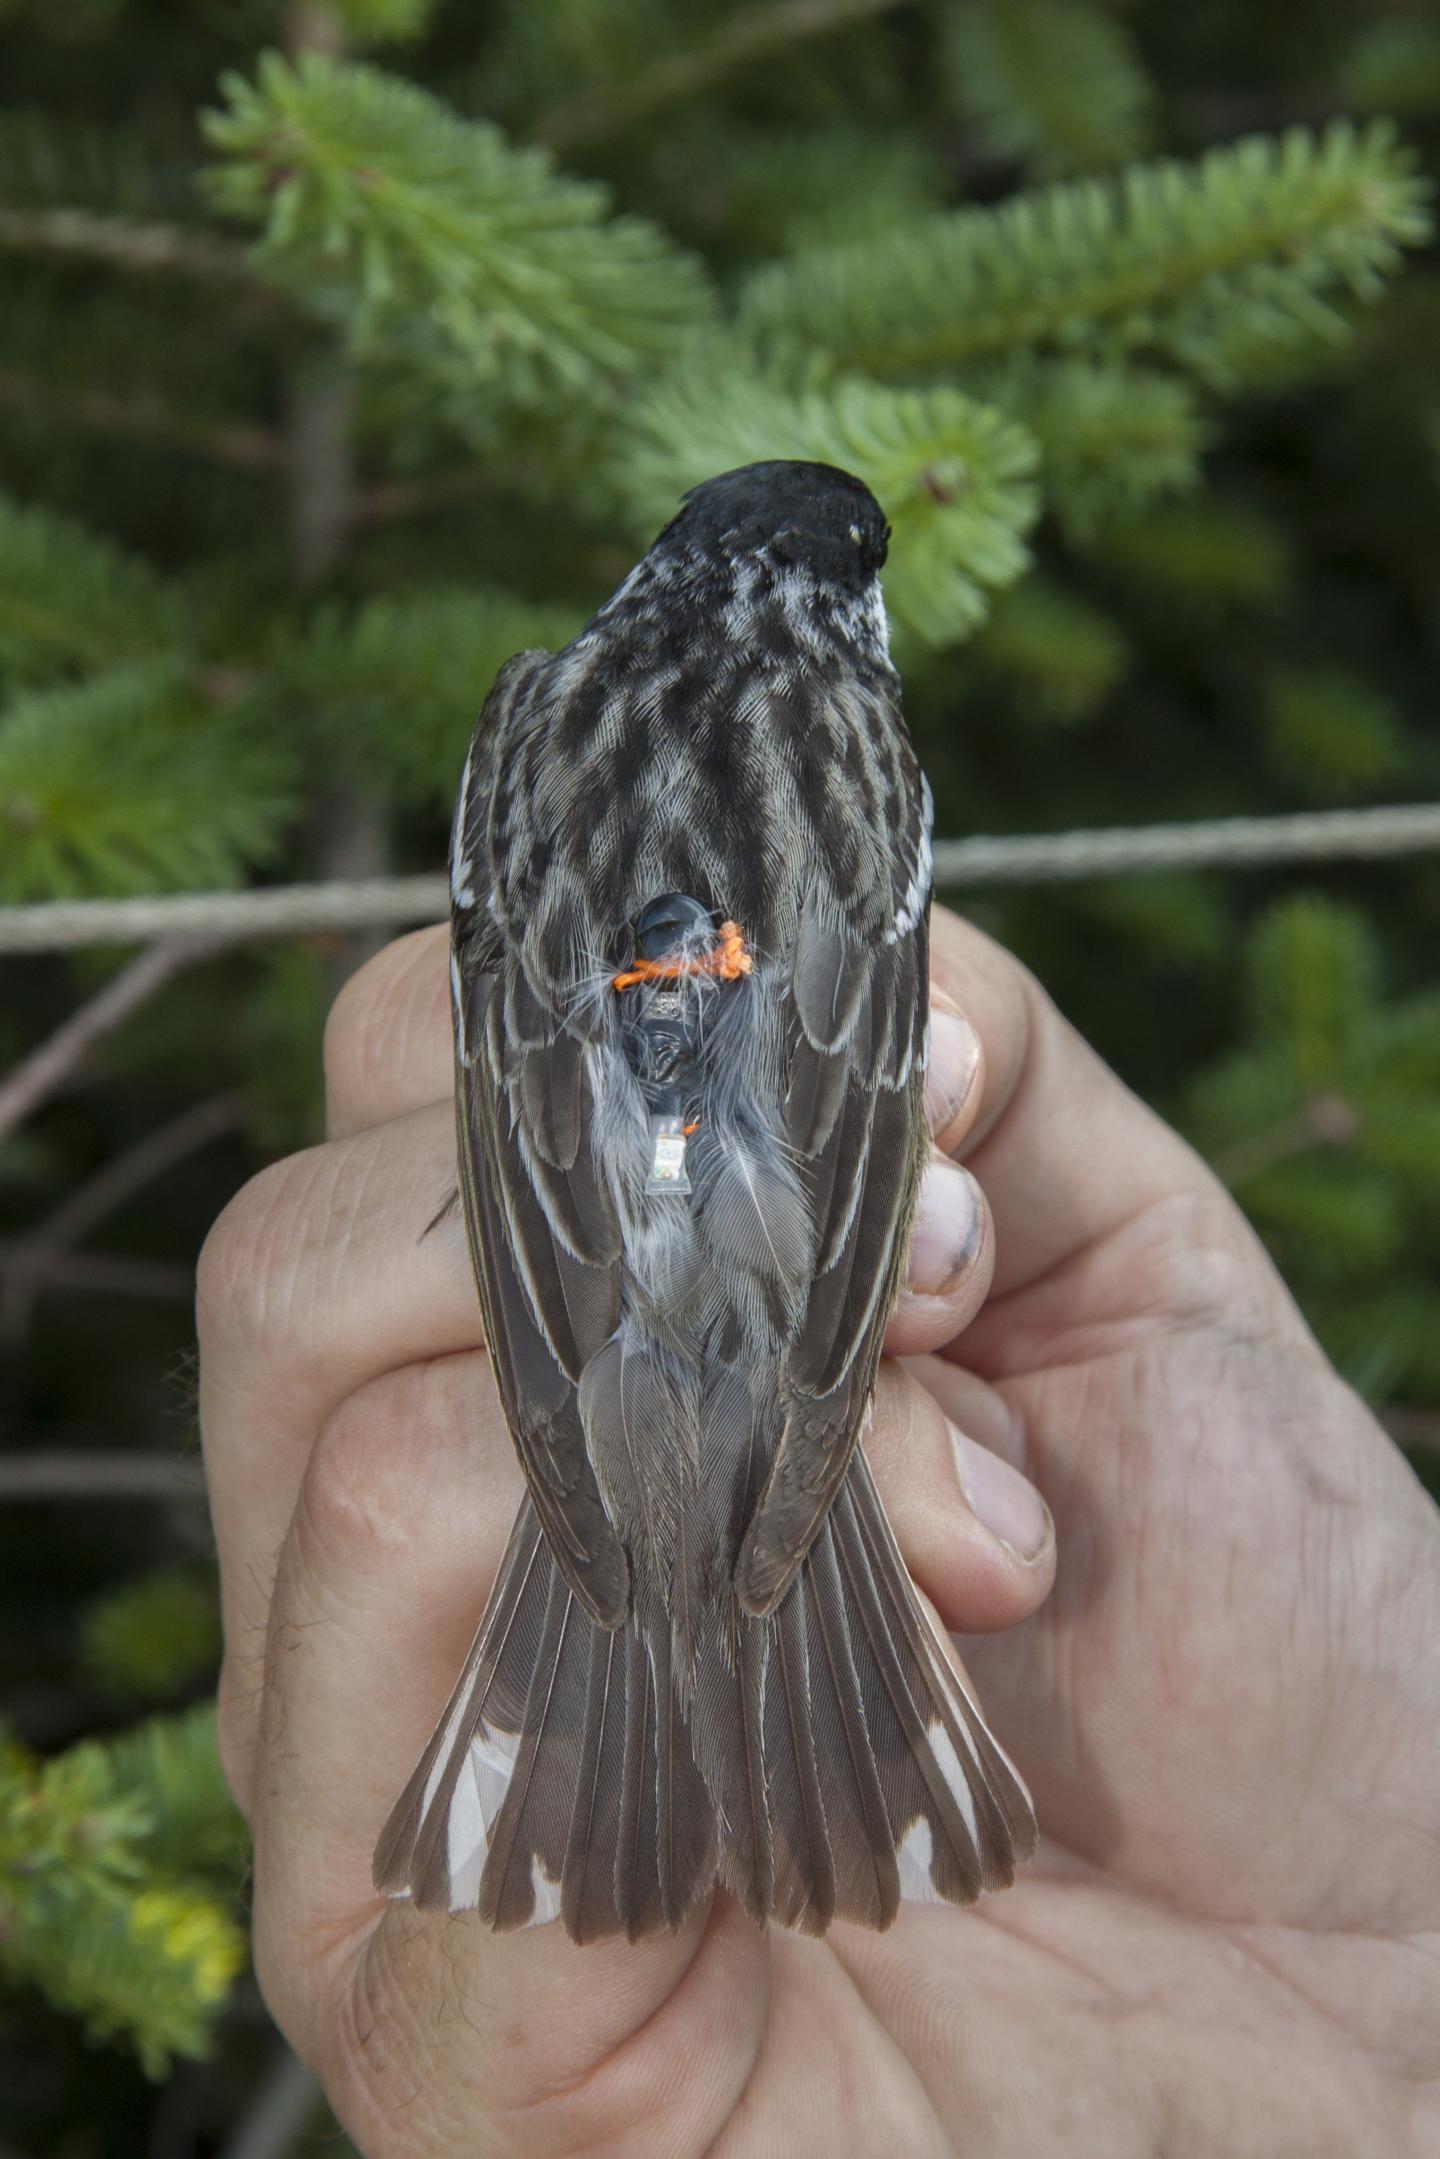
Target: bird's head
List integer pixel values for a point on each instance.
(809, 517)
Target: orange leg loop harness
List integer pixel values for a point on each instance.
(727, 961)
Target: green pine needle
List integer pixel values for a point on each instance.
(129, 782)
(1167, 258)
(1055, 85)
(396, 687)
(70, 599)
(1112, 438)
(381, 205)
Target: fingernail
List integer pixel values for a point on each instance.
(1005, 1502)
(946, 1236)
(954, 1065)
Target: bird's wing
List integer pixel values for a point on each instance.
(857, 1032)
(543, 1234)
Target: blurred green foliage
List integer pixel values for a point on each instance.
(346, 349)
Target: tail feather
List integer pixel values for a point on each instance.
(638, 1906)
(904, 1728)
(825, 1761)
(867, 1876)
(684, 1811)
(413, 1851)
(996, 1821)
(804, 1886)
(526, 1856)
(588, 1900)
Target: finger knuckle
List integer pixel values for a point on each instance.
(359, 1484)
(1203, 1266)
(253, 1260)
(370, 1021)
(287, 1986)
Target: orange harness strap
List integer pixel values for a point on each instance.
(727, 962)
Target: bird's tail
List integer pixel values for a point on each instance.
(560, 1780)
(824, 1762)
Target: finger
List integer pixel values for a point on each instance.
(1066, 1154)
(955, 1076)
(952, 1259)
(388, 1042)
(987, 1414)
(314, 1280)
(976, 1535)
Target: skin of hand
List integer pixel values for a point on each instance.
(1228, 1709)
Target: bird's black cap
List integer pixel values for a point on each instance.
(815, 515)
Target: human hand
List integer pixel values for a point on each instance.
(1224, 1710)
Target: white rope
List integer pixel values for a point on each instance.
(1041, 858)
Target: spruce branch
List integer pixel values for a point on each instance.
(153, 1637)
(1330, 734)
(393, 685)
(1312, 971)
(955, 475)
(1055, 85)
(70, 192)
(1169, 258)
(764, 191)
(70, 598)
(1394, 67)
(1112, 438)
(1197, 559)
(381, 205)
(382, 22)
(129, 782)
(53, 161)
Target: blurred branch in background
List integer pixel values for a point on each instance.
(58, 1473)
(288, 2098)
(752, 34)
(47, 1068)
(28, 1263)
(1039, 858)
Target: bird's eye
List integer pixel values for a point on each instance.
(855, 534)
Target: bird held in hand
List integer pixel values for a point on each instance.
(691, 885)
